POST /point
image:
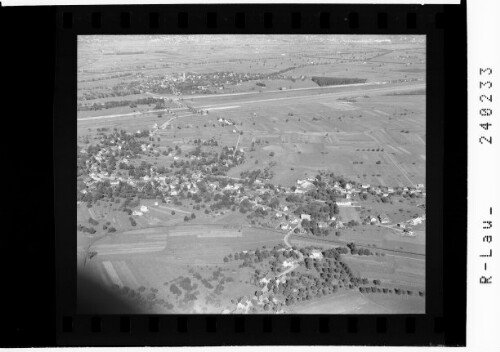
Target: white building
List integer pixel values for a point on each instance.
(305, 217)
(316, 254)
(415, 221)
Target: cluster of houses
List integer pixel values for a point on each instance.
(381, 218)
(406, 226)
(346, 191)
(189, 82)
(244, 304)
(172, 185)
(304, 185)
(190, 183)
(350, 190)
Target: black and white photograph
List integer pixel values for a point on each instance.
(251, 174)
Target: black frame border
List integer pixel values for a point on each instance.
(444, 321)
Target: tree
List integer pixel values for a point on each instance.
(175, 290)
(193, 216)
(173, 212)
(226, 259)
(308, 262)
(93, 222)
(186, 218)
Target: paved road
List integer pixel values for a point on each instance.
(287, 236)
(121, 115)
(378, 90)
(287, 243)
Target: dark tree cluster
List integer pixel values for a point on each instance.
(359, 251)
(86, 229)
(332, 81)
(132, 221)
(118, 103)
(93, 222)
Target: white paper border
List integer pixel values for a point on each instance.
(166, 2)
(483, 309)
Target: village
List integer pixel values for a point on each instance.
(200, 175)
(257, 178)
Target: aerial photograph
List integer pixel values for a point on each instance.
(251, 174)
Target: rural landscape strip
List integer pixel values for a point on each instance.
(329, 95)
(360, 245)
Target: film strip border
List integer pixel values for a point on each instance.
(249, 329)
(432, 328)
(252, 19)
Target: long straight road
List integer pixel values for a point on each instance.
(238, 101)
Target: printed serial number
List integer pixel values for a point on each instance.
(485, 99)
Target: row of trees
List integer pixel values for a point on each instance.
(397, 291)
(118, 103)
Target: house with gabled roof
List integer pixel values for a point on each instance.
(384, 219)
(305, 217)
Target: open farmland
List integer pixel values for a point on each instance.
(151, 257)
(252, 174)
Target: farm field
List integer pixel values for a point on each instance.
(151, 257)
(252, 174)
(358, 303)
